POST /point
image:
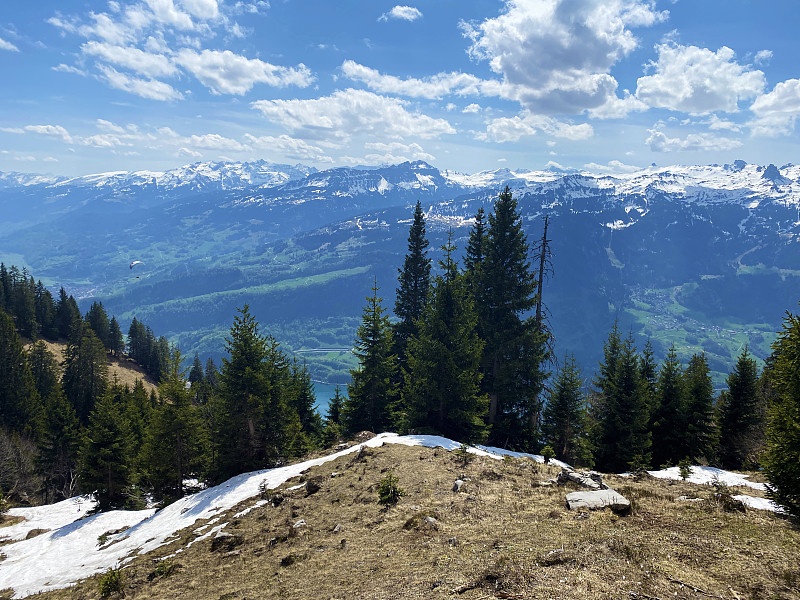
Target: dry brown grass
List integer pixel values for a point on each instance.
(122, 370)
(504, 535)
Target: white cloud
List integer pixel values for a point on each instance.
(352, 112)
(697, 80)
(659, 142)
(777, 111)
(402, 13)
(202, 9)
(4, 45)
(52, 130)
(167, 13)
(187, 153)
(618, 108)
(762, 57)
(555, 55)
(146, 88)
(104, 140)
(613, 166)
(215, 141)
(472, 108)
(224, 72)
(108, 126)
(433, 87)
(527, 124)
(289, 147)
(393, 153)
(143, 63)
(62, 68)
(715, 123)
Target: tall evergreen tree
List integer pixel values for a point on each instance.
(782, 457)
(175, 445)
(700, 426)
(115, 339)
(564, 419)
(97, 319)
(372, 389)
(414, 283)
(738, 415)
(442, 383)
(515, 350)
(624, 438)
(668, 419)
(44, 369)
(45, 311)
(333, 418)
(85, 371)
(19, 400)
(67, 313)
(302, 400)
(104, 462)
(58, 448)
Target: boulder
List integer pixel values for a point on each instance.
(599, 499)
(587, 479)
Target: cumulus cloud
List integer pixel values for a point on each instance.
(352, 112)
(143, 63)
(402, 13)
(613, 166)
(393, 153)
(146, 88)
(762, 57)
(167, 13)
(777, 111)
(289, 147)
(697, 80)
(51, 130)
(187, 153)
(224, 72)
(432, 87)
(659, 142)
(62, 68)
(5, 45)
(472, 108)
(555, 55)
(512, 129)
(215, 141)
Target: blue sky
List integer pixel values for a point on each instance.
(468, 85)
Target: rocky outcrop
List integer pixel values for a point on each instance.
(599, 499)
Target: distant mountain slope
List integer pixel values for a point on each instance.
(705, 257)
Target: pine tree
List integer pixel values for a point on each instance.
(700, 427)
(115, 339)
(104, 462)
(333, 418)
(668, 419)
(738, 415)
(782, 457)
(442, 385)
(196, 378)
(372, 389)
(515, 350)
(97, 319)
(67, 313)
(414, 283)
(175, 445)
(58, 448)
(85, 370)
(45, 311)
(624, 440)
(564, 419)
(302, 400)
(44, 370)
(19, 400)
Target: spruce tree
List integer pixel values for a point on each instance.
(58, 448)
(175, 446)
(19, 400)
(700, 427)
(104, 462)
(515, 350)
(67, 314)
(442, 384)
(668, 419)
(85, 370)
(564, 419)
(738, 415)
(115, 340)
(414, 283)
(333, 418)
(97, 319)
(372, 389)
(782, 457)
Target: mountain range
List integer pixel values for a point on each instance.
(702, 257)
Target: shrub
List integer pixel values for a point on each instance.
(685, 467)
(548, 454)
(388, 490)
(111, 582)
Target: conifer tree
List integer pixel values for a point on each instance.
(58, 448)
(564, 419)
(302, 400)
(196, 378)
(700, 427)
(45, 311)
(476, 250)
(175, 446)
(515, 350)
(19, 400)
(333, 418)
(624, 439)
(97, 319)
(67, 313)
(782, 457)
(738, 415)
(115, 339)
(668, 418)
(372, 389)
(414, 283)
(104, 462)
(442, 384)
(85, 370)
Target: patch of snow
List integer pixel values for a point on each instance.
(759, 503)
(709, 475)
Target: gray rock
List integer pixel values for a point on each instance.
(587, 479)
(457, 485)
(431, 522)
(598, 499)
(300, 523)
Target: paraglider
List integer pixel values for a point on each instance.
(136, 262)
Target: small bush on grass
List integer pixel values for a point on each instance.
(388, 490)
(111, 582)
